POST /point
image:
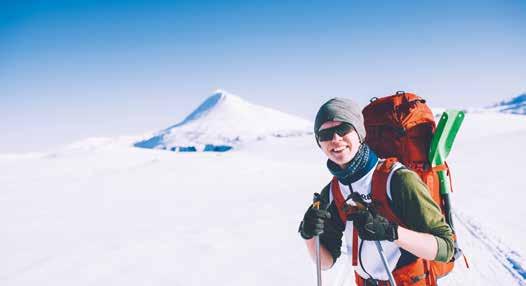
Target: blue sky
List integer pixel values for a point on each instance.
(76, 69)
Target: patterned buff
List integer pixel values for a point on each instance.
(360, 165)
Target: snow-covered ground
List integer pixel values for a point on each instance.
(113, 215)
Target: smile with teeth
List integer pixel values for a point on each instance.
(339, 149)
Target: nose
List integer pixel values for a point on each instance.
(336, 137)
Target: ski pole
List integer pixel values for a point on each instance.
(392, 282)
(316, 204)
(318, 260)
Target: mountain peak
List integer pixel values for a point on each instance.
(221, 93)
(216, 101)
(225, 119)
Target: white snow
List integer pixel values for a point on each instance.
(107, 214)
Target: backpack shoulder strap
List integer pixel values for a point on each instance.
(338, 198)
(339, 201)
(379, 190)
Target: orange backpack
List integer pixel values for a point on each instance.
(400, 127)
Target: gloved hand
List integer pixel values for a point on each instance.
(372, 226)
(313, 222)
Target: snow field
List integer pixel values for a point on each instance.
(130, 216)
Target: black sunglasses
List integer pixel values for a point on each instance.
(343, 129)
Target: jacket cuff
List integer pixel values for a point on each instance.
(442, 254)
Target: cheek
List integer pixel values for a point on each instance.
(353, 152)
(353, 141)
(325, 148)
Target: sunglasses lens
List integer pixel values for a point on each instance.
(343, 129)
(327, 134)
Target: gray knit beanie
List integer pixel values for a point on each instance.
(340, 109)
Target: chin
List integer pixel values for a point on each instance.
(342, 160)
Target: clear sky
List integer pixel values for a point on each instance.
(76, 69)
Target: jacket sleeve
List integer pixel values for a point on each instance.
(331, 238)
(412, 202)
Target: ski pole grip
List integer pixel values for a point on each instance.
(316, 200)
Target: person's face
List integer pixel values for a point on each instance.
(340, 149)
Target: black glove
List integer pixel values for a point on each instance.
(313, 222)
(372, 226)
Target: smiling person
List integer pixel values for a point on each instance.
(420, 233)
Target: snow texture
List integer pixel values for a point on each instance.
(101, 212)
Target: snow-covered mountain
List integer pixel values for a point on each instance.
(516, 105)
(224, 121)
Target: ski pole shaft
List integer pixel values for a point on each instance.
(318, 260)
(316, 204)
(392, 282)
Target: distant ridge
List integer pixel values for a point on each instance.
(516, 105)
(224, 121)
